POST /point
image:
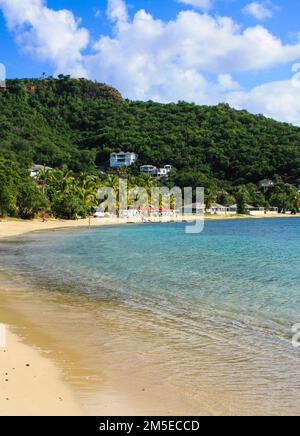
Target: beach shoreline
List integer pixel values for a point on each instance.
(63, 398)
(18, 227)
(40, 388)
(32, 385)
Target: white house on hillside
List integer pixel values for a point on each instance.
(118, 160)
(36, 169)
(156, 172)
(148, 169)
(162, 172)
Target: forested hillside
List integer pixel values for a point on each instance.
(73, 122)
(77, 123)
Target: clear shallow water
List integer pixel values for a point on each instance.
(212, 312)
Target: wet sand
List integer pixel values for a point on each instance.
(42, 388)
(100, 375)
(14, 227)
(50, 385)
(31, 384)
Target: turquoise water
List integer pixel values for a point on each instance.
(220, 304)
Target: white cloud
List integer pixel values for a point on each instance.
(49, 35)
(278, 100)
(152, 59)
(227, 83)
(117, 12)
(193, 57)
(198, 4)
(258, 10)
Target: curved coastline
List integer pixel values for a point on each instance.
(109, 402)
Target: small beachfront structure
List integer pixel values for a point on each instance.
(145, 212)
(233, 208)
(252, 210)
(249, 208)
(122, 159)
(217, 209)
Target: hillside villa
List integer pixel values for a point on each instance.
(150, 170)
(156, 172)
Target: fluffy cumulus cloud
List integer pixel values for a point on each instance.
(278, 100)
(117, 12)
(194, 57)
(196, 41)
(260, 11)
(49, 35)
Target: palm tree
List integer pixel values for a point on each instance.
(86, 187)
(113, 181)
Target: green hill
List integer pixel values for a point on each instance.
(76, 124)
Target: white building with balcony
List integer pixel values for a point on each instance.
(148, 169)
(118, 160)
(156, 172)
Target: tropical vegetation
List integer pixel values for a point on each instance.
(73, 126)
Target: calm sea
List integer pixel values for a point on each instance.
(210, 314)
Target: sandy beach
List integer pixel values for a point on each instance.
(32, 384)
(10, 227)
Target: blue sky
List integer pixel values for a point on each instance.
(206, 51)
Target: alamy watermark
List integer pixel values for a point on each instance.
(2, 336)
(152, 205)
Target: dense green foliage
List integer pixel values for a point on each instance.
(9, 183)
(19, 196)
(76, 124)
(30, 200)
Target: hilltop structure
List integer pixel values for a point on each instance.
(118, 160)
(156, 172)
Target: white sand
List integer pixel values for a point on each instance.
(39, 389)
(10, 227)
(31, 385)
